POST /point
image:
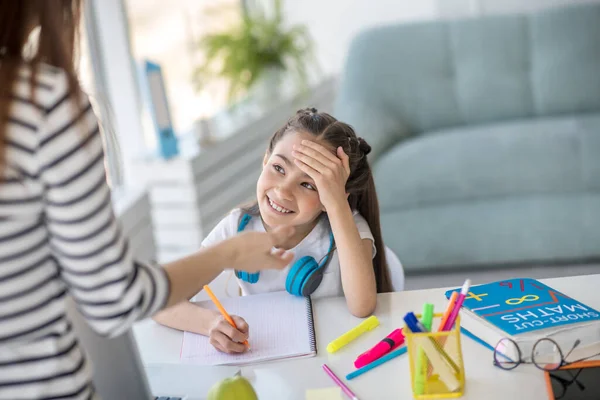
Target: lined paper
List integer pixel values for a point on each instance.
(280, 327)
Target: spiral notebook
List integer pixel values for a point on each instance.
(281, 326)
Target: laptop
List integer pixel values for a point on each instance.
(118, 372)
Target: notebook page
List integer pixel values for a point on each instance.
(279, 328)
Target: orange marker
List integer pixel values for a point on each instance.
(442, 341)
(448, 310)
(221, 309)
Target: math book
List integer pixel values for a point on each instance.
(526, 310)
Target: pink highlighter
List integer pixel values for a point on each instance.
(389, 343)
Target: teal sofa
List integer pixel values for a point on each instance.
(485, 136)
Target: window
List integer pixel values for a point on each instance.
(166, 33)
(118, 36)
(92, 83)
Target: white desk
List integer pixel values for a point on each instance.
(289, 379)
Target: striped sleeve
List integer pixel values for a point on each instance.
(111, 289)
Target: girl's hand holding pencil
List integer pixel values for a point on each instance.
(227, 338)
(228, 334)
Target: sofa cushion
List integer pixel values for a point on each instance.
(541, 156)
(432, 75)
(494, 233)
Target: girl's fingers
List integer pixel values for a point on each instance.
(345, 159)
(322, 150)
(329, 160)
(232, 333)
(241, 324)
(222, 343)
(217, 346)
(229, 345)
(312, 162)
(313, 173)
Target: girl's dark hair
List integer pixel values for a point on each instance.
(360, 185)
(58, 24)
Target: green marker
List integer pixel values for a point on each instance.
(427, 319)
(421, 370)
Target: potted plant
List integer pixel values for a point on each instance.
(251, 52)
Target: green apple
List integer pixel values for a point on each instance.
(237, 388)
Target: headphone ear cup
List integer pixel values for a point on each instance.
(247, 277)
(298, 273)
(301, 272)
(243, 275)
(312, 281)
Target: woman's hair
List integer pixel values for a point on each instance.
(58, 24)
(360, 185)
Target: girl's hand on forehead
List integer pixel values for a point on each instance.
(329, 171)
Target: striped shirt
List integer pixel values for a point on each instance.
(59, 237)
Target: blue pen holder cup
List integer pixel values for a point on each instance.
(436, 364)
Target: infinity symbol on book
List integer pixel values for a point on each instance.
(529, 297)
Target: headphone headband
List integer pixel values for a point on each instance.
(329, 251)
(304, 276)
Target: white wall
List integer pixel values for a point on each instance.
(459, 8)
(333, 23)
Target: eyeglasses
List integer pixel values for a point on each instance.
(546, 355)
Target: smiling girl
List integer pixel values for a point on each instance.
(316, 178)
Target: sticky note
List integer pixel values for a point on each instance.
(333, 393)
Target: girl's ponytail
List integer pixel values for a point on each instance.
(367, 205)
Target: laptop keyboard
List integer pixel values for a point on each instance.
(167, 398)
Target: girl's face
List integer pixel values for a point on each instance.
(286, 195)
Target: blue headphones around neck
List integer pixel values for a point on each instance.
(304, 277)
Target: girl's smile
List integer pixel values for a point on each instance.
(286, 195)
(275, 206)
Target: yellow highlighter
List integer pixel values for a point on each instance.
(365, 326)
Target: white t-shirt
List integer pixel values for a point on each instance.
(315, 244)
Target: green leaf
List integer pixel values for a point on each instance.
(241, 54)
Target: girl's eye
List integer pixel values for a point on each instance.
(278, 169)
(309, 186)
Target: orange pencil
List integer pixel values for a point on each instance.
(221, 309)
(448, 310)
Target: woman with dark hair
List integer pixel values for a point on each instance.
(58, 233)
